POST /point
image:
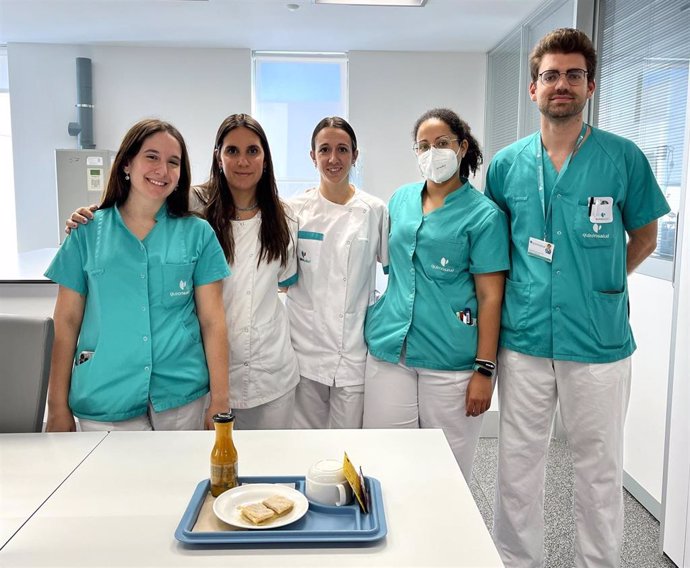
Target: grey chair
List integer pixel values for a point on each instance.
(25, 347)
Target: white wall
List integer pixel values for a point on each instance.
(651, 309)
(390, 90)
(192, 88)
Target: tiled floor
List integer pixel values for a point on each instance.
(641, 537)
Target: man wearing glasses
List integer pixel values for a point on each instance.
(571, 193)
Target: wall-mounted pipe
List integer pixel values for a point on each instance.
(84, 128)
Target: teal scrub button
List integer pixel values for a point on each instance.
(145, 338)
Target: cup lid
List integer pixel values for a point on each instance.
(327, 471)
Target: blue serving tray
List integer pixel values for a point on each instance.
(339, 526)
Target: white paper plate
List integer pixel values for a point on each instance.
(227, 505)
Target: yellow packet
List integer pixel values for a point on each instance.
(356, 481)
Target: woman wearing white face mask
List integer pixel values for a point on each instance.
(433, 335)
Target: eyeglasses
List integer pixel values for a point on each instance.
(441, 143)
(575, 77)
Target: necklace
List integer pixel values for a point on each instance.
(239, 210)
(250, 208)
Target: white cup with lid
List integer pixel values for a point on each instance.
(326, 483)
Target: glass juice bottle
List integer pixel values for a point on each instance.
(223, 455)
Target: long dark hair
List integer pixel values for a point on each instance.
(473, 157)
(220, 206)
(118, 188)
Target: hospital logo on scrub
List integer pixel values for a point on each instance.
(595, 233)
(304, 257)
(183, 289)
(442, 265)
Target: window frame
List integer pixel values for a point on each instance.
(259, 57)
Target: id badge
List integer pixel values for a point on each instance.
(540, 249)
(601, 210)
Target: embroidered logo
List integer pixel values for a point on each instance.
(304, 257)
(595, 234)
(443, 266)
(184, 291)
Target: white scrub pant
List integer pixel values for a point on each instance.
(593, 400)
(187, 417)
(321, 406)
(274, 415)
(398, 396)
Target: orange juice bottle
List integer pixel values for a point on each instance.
(223, 455)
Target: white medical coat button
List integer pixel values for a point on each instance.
(348, 243)
(246, 363)
(340, 316)
(249, 292)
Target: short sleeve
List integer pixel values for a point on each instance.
(489, 244)
(493, 185)
(211, 264)
(644, 201)
(384, 227)
(67, 268)
(288, 273)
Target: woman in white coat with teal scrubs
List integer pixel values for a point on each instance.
(140, 336)
(433, 335)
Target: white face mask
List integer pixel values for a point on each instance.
(438, 165)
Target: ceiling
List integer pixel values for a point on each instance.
(442, 25)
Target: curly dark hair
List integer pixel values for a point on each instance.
(473, 157)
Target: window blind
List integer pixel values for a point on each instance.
(644, 51)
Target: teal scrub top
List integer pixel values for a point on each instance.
(576, 307)
(140, 318)
(432, 259)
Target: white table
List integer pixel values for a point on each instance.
(32, 467)
(122, 505)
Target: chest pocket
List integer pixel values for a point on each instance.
(593, 235)
(309, 250)
(178, 284)
(443, 260)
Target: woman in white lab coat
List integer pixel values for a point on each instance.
(343, 231)
(257, 233)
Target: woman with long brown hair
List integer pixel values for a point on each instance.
(240, 201)
(138, 336)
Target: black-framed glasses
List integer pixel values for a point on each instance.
(575, 77)
(441, 143)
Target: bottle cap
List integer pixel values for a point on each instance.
(223, 417)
